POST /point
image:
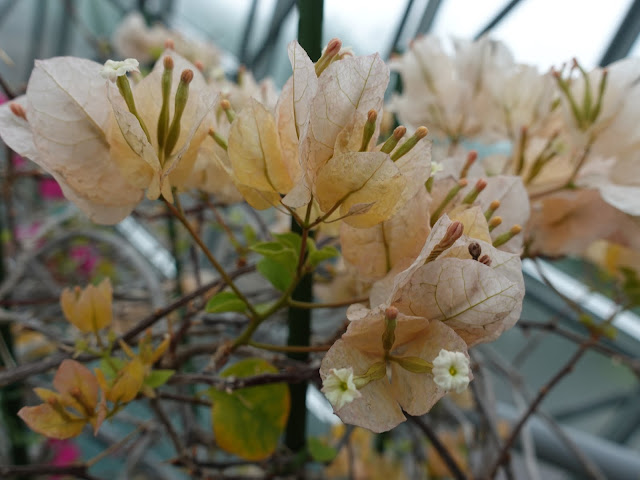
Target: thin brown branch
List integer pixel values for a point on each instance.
(542, 393)
(21, 372)
(294, 376)
(184, 399)
(444, 453)
(632, 363)
(78, 471)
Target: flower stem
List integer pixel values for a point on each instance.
(290, 348)
(223, 273)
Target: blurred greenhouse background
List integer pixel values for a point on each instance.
(605, 421)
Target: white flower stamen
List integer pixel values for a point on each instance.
(339, 387)
(451, 371)
(113, 69)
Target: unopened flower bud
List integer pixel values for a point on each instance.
(125, 88)
(393, 140)
(494, 222)
(369, 130)
(225, 105)
(328, 55)
(406, 147)
(163, 118)
(18, 110)
(447, 199)
(505, 237)
(218, 139)
(480, 185)
(413, 364)
(180, 102)
(475, 250)
(471, 157)
(389, 335)
(493, 206)
(376, 371)
(453, 233)
(485, 260)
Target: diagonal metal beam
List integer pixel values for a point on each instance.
(498, 18)
(429, 16)
(625, 37)
(259, 63)
(243, 54)
(398, 34)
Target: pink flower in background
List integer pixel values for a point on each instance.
(18, 161)
(64, 452)
(86, 258)
(50, 189)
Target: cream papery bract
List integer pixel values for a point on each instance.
(478, 301)
(264, 145)
(368, 182)
(396, 242)
(67, 116)
(447, 92)
(379, 407)
(567, 222)
(312, 145)
(138, 158)
(507, 189)
(133, 38)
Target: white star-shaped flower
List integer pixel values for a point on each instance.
(451, 371)
(339, 387)
(113, 69)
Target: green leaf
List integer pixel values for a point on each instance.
(225, 302)
(290, 239)
(320, 451)
(250, 235)
(109, 365)
(157, 378)
(324, 253)
(279, 252)
(278, 274)
(248, 422)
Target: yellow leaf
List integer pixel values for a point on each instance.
(51, 422)
(128, 382)
(78, 387)
(89, 309)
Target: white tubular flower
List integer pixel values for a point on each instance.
(339, 387)
(113, 69)
(436, 167)
(451, 371)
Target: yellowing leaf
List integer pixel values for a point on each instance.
(128, 382)
(78, 386)
(48, 421)
(248, 422)
(88, 309)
